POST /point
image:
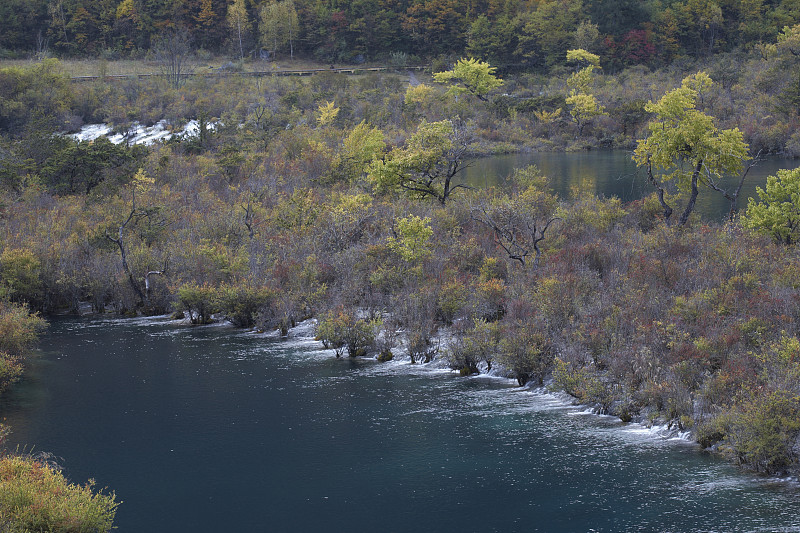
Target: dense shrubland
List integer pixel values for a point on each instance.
(336, 198)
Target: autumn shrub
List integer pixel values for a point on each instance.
(35, 496)
(525, 352)
(451, 299)
(344, 332)
(584, 384)
(242, 304)
(761, 430)
(18, 328)
(10, 369)
(415, 312)
(40, 94)
(474, 344)
(21, 274)
(421, 344)
(199, 301)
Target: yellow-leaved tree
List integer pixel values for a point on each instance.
(470, 76)
(583, 106)
(685, 147)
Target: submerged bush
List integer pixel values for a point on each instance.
(199, 301)
(343, 331)
(242, 305)
(761, 431)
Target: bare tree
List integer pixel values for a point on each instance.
(515, 231)
(173, 51)
(521, 220)
(134, 216)
(732, 195)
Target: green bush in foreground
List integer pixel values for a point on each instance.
(34, 496)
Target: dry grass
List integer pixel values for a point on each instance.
(101, 67)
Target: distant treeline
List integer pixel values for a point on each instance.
(530, 34)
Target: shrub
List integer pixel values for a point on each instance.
(21, 272)
(343, 331)
(35, 496)
(586, 386)
(242, 305)
(18, 329)
(10, 369)
(200, 301)
(526, 353)
(474, 346)
(761, 430)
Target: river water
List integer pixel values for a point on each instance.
(209, 429)
(612, 173)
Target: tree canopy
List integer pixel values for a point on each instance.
(684, 146)
(777, 210)
(470, 75)
(426, 165)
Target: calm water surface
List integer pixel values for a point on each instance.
(212, 429)
(611, 173)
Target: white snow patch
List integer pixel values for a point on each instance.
(140, 134)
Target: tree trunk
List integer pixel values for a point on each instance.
(660, 193)
(693, 196)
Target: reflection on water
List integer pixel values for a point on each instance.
(212, 429)
(609, 173)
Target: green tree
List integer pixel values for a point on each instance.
(239, 23)
(788, 47)
(279, 25)
(362, 146)
(777, 210)
(412, 239)
(470, 75)
(685, 147)
(583, 105)
(437, 26)
(79, 167)
(427, 164)
(544, 35)
(493, 40)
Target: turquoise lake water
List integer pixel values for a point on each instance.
(210, 429)
(612, 173)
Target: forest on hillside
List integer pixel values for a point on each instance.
(518, 34)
